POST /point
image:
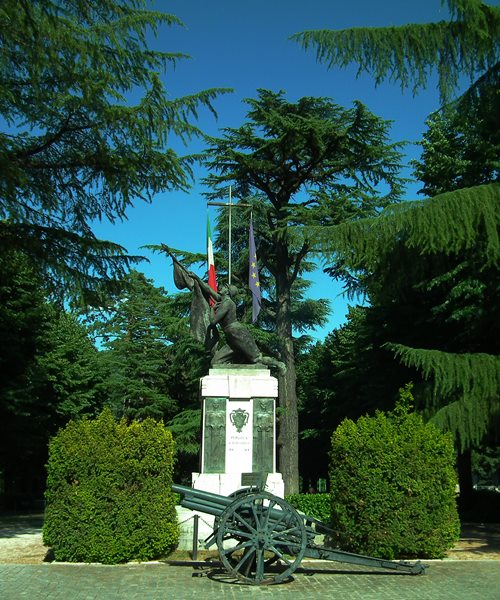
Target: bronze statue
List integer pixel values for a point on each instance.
(209, 309)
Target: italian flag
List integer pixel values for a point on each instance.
(212, 279)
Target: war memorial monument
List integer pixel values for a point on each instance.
(238, 399)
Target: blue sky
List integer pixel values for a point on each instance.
(244, 45)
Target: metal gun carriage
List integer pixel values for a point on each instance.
(256, 531)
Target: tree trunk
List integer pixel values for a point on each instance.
(465, 479)
(288, 422)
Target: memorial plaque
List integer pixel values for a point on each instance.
(214, 439)
(263, 435)
(239, 430)
(239, 436)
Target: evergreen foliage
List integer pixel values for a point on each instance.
(449, 223)
(317, 506)
(71, 369)
(393, 482)
(431, 269)
(346, 375)
(49, 373)
(109, 495)
(461, 146)
(467, 44)
(486, 466)
(471, 380)
(85, 123)
(150, 364)
(133, 332)
(434, 288)
(297, 164)
(144, 355)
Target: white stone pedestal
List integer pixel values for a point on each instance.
(225, 484)
(239, 420)
(238, 439)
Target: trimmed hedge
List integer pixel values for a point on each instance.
(109, 495)
(393, 486)
(312, 505)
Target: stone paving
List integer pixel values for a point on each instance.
(448, 579)
(24, 575)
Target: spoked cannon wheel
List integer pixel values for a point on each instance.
(256, 530)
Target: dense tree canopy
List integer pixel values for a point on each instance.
(85, 119)
(433, 265)
(49, 373)
(143, 373)
(434, 287)
(461, 147)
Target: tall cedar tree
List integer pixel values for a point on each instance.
(434, 288)
(465, 45)
(85, 120)
(307, 162)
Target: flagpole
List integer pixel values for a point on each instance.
(230, 238)
(230, 225)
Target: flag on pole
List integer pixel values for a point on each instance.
(253, 275)
(212, 278)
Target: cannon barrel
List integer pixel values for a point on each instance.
(214, 504)
(206, 502)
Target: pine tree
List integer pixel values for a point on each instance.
(461, 146)
(85, 120)
(300, 163)
(467, 44)
(447, 247)
(134, 334)
(434, 266)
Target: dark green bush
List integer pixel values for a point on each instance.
(393, 486)
(109, 495)
(313, 505)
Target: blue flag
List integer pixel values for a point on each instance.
(253, 275)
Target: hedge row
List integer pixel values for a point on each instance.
(392, 486)
(108, 495)
(313, 505)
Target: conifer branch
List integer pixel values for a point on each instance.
(467, 44)
(448, 223)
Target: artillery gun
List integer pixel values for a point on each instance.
(254, 530)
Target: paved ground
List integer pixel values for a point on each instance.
(453, 580)
(472, 573)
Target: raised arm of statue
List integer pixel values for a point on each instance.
(219, 311)
(208, 292)
(199, 316)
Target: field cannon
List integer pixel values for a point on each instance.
(256, 531)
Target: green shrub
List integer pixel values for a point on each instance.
(393, 485)
(313, 505)
(109, 495)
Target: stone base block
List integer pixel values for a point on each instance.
(223, 484)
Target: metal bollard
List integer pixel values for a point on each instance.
(195, 537)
